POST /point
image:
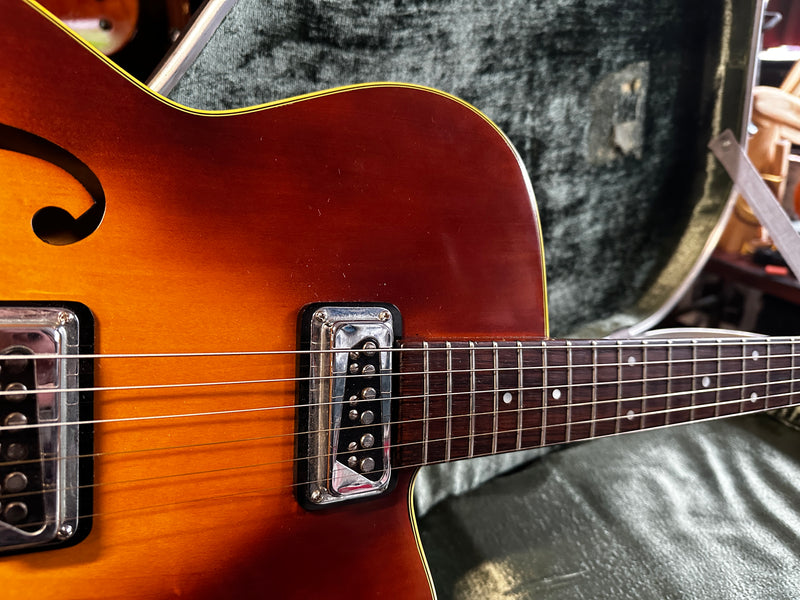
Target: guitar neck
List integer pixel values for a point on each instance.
(471, 399)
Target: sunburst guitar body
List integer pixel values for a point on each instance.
(186, 245)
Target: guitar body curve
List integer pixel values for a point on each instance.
(218, 228)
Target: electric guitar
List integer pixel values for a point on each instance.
(227, 340)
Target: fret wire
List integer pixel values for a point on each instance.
(449, 422)
(793, 366)
(520, 384)
(543, 435)
(592, 427)
(619, 386)
(495, 416)
(644, 385)
(766, 379)
(693, 381)
(426, 393)
(473, 408)
(743, 371)
(719, 381)
(569, 391)
(668, 399)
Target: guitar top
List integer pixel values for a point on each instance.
(201, 236)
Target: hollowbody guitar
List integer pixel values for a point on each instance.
(208, 232)
(228, 339)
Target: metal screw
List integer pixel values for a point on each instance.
(320, 315)
(367, 440)
(367, 417)
(316, 496)
(384, 315)
(368, 393)
(368, 370)
(65, 531)
(368, 464)
(65, 317)
(369, 347)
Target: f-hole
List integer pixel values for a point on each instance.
(53, 224)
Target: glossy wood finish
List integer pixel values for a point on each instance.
(218, 229)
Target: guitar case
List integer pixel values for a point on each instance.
(610, 105)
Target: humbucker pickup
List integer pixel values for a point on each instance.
(45, 440)
(344, 402)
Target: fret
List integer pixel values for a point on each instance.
(520, 386)
(568, 436)
(731, 378)
(594, 390)
(755, 388)
(580, 407)
(768, 393)
(543, 439)
(437, 419)
(495, 397)
(706, 378)
(719, 376)
(557, 355)
(485, 413)
(472, 406)
(631, 382)
(458, 368)
(668, 407)
(780, 373)
(683, 373)
(606, 388)
(793, 375)
(532, 383)
(507, 358)
(449, 418)
(742, 387)
(426, 398)
(693, 379)
(619, 387)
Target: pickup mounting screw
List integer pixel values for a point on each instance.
(65, 531)
(384, 315)
(64, 317)
(320, 315)
(316, 496)
(369, 348)
(368, 464)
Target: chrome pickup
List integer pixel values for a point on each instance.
(45, 444)
(344, 408)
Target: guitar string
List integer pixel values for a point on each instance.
(643, 364)
(261, 491)
(510, 411)
(603, 343)
(667, 379)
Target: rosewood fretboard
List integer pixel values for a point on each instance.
(470, 399)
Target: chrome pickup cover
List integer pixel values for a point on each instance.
(41, 407)
(345, 403)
